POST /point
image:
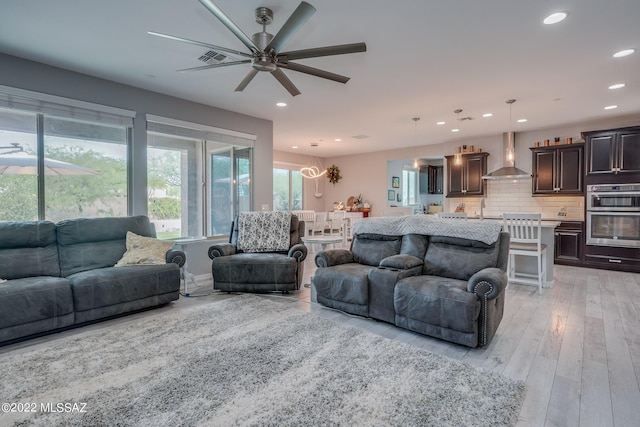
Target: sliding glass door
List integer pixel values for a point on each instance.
(228, 185)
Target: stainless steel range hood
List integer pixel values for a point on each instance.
(509, 170)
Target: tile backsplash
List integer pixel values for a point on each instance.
(515, 196)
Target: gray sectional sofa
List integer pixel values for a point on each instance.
(62, 275)
(420, 274)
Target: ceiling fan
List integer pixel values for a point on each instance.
(266, 54)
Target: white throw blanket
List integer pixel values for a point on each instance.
(485, 231)
(264, 231)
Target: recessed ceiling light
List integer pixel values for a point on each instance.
(554, 18)
(487, 115)
(625, 52)
(281, 104)
(440, 123)
(610, 107)
(521, 120)
(338, 139)
(617, 86)
(294, 147)
(455, 130)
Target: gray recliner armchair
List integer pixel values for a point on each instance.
(236, 270)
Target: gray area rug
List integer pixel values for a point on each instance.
(247, 360)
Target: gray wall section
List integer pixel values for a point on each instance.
(29, 75)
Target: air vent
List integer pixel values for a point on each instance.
(360, 136)
(212, 57)
(465, 118)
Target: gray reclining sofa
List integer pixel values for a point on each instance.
(420, 274)
(62, 275)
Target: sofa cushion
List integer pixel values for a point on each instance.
(347, 283)
(370, 249)
(144, 250)
(28, 249)
(414, 245)
(458, 258)
(438, 301)
(110, 286)
(35, 299)
(254, 268)
(89, 243)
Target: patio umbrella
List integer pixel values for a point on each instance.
(27, 164)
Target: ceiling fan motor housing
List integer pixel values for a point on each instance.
(263, 61)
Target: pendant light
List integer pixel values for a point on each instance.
(314, 172)
(457, 157)
(510, 150)
(415, 142)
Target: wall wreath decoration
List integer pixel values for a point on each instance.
(333, 173)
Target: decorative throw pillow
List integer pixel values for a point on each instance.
(144, 251)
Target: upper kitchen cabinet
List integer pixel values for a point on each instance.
(465, 179)
(557, 170)
(612, 155)
(431, 179)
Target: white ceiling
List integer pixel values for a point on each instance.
(424, 59)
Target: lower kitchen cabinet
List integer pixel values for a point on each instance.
(569, 243)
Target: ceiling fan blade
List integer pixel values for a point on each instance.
(314, 71)
(324, 51)
(247, 79)
(221, 64)
(197, 43)
(284, 81)
(303, 12)
(218, 13)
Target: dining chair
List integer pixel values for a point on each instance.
(309, 218)
(526, 240)
(336, 222)
(320, 223)
(452, 215)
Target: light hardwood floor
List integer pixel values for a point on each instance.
(576, 346)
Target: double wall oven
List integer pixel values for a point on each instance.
(613, 215)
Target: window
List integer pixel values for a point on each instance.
(85, 170)
(173, 200)
(409, 187)
(287, 189)
(61, 158)
(198, 177)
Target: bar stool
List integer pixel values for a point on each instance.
(525, 231)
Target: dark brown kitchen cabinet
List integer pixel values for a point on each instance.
(557, 170)
(465, 179)
(431, 179)
(612, 155)
(568, 243)
(436, 183)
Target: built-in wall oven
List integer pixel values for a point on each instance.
(613, 215)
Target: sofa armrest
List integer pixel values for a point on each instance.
(221, 249)
(176, 257)
(401, 262)
(333, 257)
(488, 283)
(298, 251)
